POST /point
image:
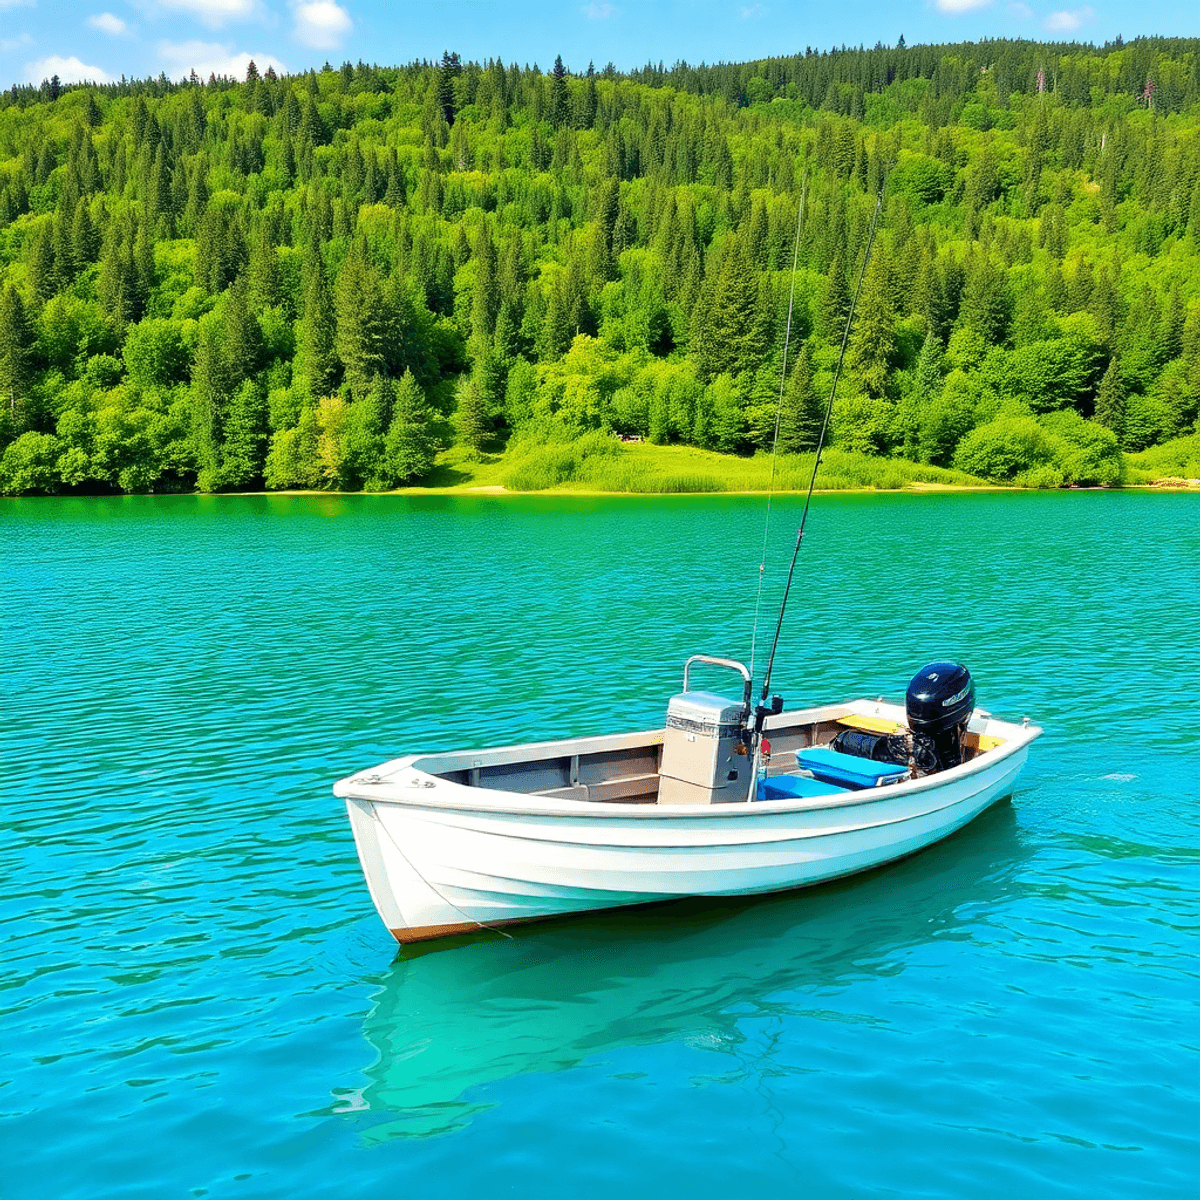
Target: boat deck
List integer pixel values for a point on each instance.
(625, 769)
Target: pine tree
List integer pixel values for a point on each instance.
(836, 305)
(360, 320)
(65, 264)
(802, 411)
(409, 446)
(560, 101)
(85, 237)
(16, 373)
(111, 284)
(734, 338)
(927, 298)
(1106, 307)
(264, 280)
(873, 339)
(982, 187)
(393, 195)
(1110, 400)
(197, 201)
(242, 335)
(485, 300)
(318, 335)
(42, 275)
(1079, 295)
(144, 271)
(585, 115)
(159, 202)
(508, 342)
(244, 452)
(209, 396)
(985, 303)
(451, 68)
(928, 374)
(472, 416)
(554, 334)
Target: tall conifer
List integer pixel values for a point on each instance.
(1110, 400)
(318, 335)
(16, 353)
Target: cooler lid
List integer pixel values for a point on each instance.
(705, 709)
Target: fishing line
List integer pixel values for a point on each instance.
(787, 334)
(821, 440)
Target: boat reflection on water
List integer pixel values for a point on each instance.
(457, 1016)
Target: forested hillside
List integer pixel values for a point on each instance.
(322, 281)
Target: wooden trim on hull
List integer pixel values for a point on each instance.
(427, 933)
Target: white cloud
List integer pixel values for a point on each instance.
(107, 23)
(211, 58)
(1022, 12)
(752, 11)
(213, 13)
(598, 11)
(1069, 20)
(69, 70)
(960, 6)
(12, 43)
(321, 24)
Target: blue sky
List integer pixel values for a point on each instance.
(109, 38)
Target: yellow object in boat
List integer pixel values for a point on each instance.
(869, 724)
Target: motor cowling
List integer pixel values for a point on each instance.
(939, 703)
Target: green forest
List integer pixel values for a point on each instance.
(369, 277)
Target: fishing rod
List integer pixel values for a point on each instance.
(787, 337)
(762, 710)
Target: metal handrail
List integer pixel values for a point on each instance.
(732, 664)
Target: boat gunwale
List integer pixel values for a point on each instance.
(496, 801)
(783, 836)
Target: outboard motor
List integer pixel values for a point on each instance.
(939, 703)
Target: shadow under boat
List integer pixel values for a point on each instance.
(444, 1025)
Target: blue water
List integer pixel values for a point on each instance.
(197, 998)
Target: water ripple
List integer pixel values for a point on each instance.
(198, 997)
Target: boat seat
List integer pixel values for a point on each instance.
(981, 743)
(848, 770)
(869, 724)
(795, 787)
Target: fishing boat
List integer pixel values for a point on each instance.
(454, 842)
(729, 798)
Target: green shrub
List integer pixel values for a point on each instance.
(924, 180)
(1059, 449)
(30, 465)
(1087, 454)
(1004, 448)
(1177, 459)
(1041, 477)
(155, 352)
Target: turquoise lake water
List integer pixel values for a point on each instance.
(197, 998)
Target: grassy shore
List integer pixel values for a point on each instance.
(604, 465)
(1173, 464)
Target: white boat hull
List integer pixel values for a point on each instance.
(440, 858)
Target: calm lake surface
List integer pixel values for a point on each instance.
(197, 998)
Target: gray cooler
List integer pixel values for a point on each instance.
(699, 763)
